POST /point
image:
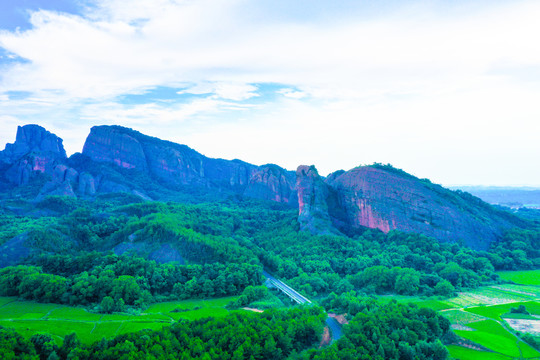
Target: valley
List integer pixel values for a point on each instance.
(139, 247)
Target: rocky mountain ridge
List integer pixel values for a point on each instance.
(118, 159)
(112, 154)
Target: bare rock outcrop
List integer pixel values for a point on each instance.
(34, 151)
(385, 198)
(179, 165)
(270, 182)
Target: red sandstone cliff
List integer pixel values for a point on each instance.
(381, 197)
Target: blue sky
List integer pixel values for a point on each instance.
(444, 90)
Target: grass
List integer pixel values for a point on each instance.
(461, 317)
(495, 312)
(5, 300)
(494, 336)
(518, 316)
(434, 304)
(71, 313)
(58, 328)
(105, 329)
(526, 277)
(28, 318)
(26, 309)
(464, 353)
(166, 307)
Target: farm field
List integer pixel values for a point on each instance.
(497, 338)
(28, 317)
(527, 277)
(481, 317)
(460, 352)
(496, 312)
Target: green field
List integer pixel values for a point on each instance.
(461, 317)
(478, 316)
(495, 311)
(29, 317)
(527, 277)
(434, 304)
(494, 336)
(483, 311)
(462, 353)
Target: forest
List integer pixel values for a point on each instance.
(112, 255)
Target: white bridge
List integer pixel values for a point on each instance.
(289, 291)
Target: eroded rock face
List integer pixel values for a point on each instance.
(388, 199)
(270, 182)
(113, 145)
(35, 150)
(34, 138)
(313, 199)
(177, 164)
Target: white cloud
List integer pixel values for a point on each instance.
(223, 90)
(291, 93)
(409, 86)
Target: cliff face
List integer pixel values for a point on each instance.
(110, 144)
(388, 199)
(270, 182)
(34, 151)
(177, 164)
(313, 200)
(118, 159)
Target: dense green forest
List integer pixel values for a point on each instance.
(114, 254)
(223, 247)
(378, 331)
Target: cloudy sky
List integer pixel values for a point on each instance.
(448, 90)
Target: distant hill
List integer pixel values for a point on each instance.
(506, 196)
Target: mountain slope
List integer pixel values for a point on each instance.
(386, 198)
(118, 159)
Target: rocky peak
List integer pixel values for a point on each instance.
(35, 150)
(33, 139)
(115, 145)
(313, 200)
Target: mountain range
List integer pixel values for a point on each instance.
(118, 159)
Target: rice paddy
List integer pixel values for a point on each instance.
(28, 318)
(527, 277)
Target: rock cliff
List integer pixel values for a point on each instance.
(313, 200)
(118, 159)
(270, 182)
(384, 198)
(34, 151)
(179, 165)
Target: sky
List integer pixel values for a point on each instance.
(445, 90)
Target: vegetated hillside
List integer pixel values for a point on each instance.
(191, 249)
(117, 159)
(117, 252)
(223, 247)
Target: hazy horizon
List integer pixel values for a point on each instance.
(443, 90)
